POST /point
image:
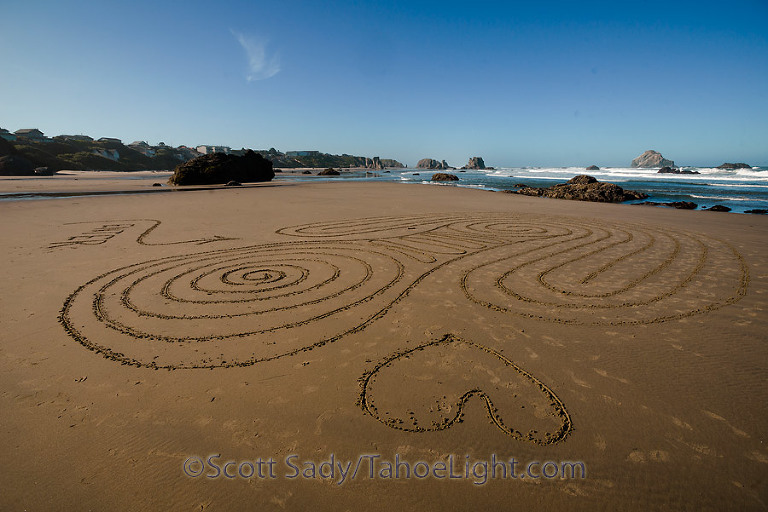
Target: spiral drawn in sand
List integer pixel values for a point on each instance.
(250, 304)
(232, 307)
(425, 389)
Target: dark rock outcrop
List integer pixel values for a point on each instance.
(758, 211)
(476, 162)
(329, 172)
(14, 165)
(306, 172)
(718, 208)
(429, 163)
(683, 205)
(583, 188)
(219, 168)
(593, 168)
(442, 176)
(652, 158)
(740, 165)
(670, 170)
(581, 179)
(680, 205)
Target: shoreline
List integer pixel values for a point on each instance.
(97, 183)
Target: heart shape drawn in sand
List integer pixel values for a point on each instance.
(425, 389)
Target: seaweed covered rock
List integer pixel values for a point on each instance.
(678, 205)
(443, 176)
(583, 188)
(582, 179)
(219, 168)
(329, 172)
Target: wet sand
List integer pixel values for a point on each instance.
(150, 339)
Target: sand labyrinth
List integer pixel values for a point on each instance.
(249, 304)
(245, 305)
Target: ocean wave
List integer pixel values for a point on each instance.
(739, 185)
(721, 198)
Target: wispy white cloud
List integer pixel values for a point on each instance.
(260, 65)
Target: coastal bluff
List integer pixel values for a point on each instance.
(652, 158)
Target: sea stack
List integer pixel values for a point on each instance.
(374, 163)
(652, 158)
(476, 162)
(429, 163)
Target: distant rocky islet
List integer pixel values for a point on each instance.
(651, 158)
(431, 164)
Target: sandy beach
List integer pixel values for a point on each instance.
(378, 346)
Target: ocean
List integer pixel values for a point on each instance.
(740, 189)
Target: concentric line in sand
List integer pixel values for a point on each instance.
(426, 388)
(244, 305)
(609, 275)
(235, 306)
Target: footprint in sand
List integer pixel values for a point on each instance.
(639, 456)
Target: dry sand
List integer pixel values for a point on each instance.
(143, 334)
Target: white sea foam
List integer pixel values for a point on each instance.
(721, 198)
(739, 185)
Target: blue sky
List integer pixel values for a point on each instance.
(519, 83)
